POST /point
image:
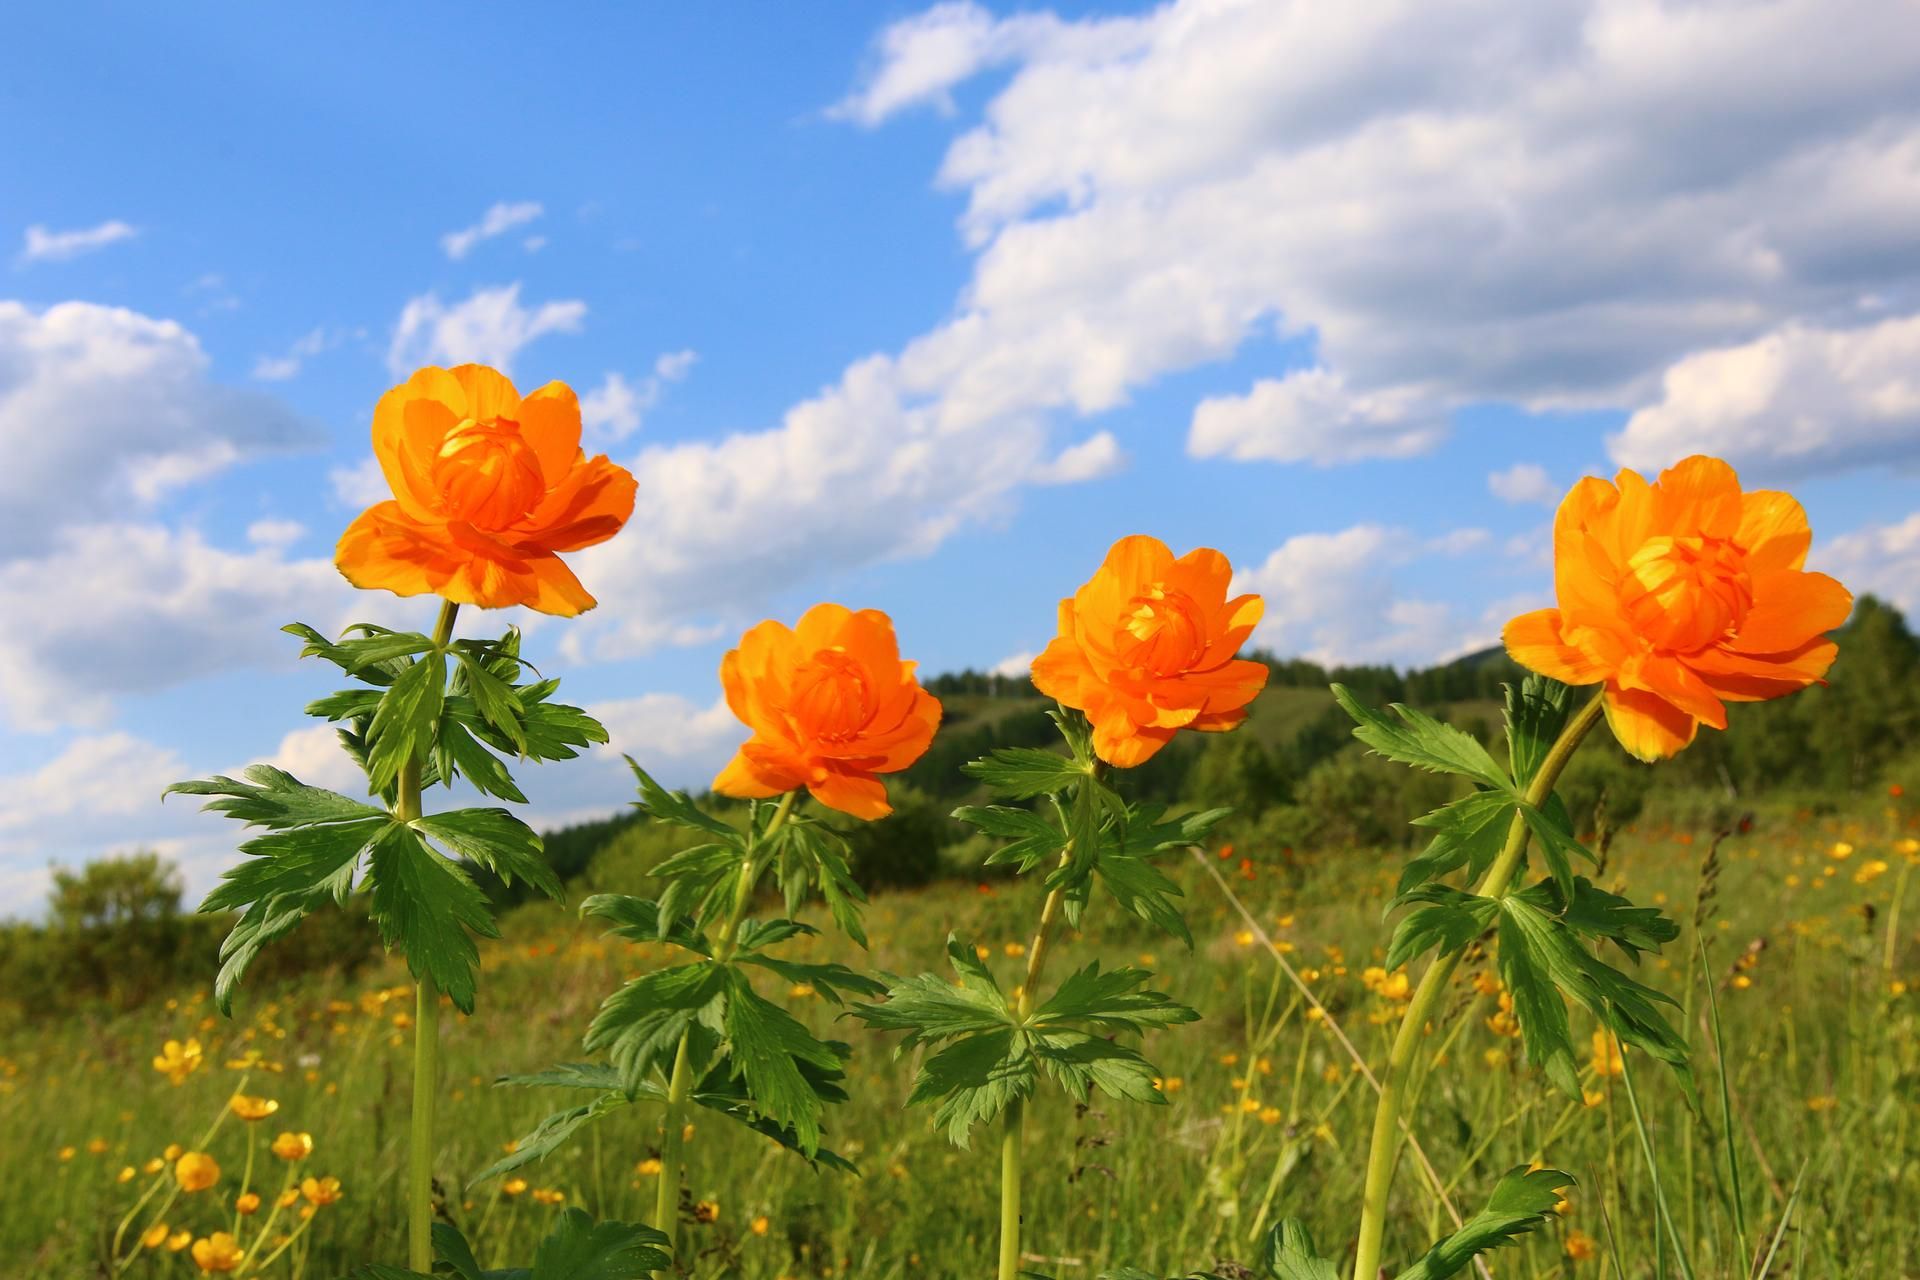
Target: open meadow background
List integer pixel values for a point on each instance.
(920, 308)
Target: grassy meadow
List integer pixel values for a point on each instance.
(1808, 962)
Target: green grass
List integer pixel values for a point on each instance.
(1821, 1058)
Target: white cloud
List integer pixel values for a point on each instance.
(314, 755)
(1800, 397)
(1312, 416)
(103, 409)
(109, 775)
(360, 485)
(1097, 456)
(1523, 483)
(1882, 559)
(288, 365)
(614, 410)
(490, 327)
(275, 534)
(1458, 202)
(1336, 598)
(1014, 664)
(497, 220)
(42, 245)
(123, 609)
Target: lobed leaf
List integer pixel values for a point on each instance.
(426, 906)
(1422, 741)
(1522, 1200)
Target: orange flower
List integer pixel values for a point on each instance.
(1146, 649)
(830, 704)
(1681, 595)
(487, 488)
(196, 1171)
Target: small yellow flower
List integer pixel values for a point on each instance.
(250, 1108)
(648, 1168)
(706, 1211)
(1870, 870)
(172, 1152)
(178, 1059)
(1908, 848)
(247, 1204)
(154, 1165)
(1840, 851)
(759, 1225)
(1741, 982)
(320, 1191)
(218, 1252)
(1169, 1084)
(1593, 1097)
(127, 1174)
(67, 1153)
(178, 1241)
(96, 1146)
(1580, 1246)
(196, 1171)
(154, 1236)
(1015, 950)
(293, 1146)
(1607, 1060)
(513, 1186)
(1244, 938)
(1824, 1103)
(1270, 1115)
(288, 1198)
(547, 1195)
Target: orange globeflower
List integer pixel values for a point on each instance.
(830, 704)
(1681, 595)
(487, 488)
(1146, 649)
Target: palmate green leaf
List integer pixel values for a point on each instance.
(403, 726)
(1290, 1254)
(425, 905)
(675, 808)
(1080, 1063)
(376, 659)
(975, 1078)
(930, 1009)
(1110, 1000)
(767, 1046)
(496, 840)
(1520, 1203)
(829, 980)
(555, 1130)
(1547, 956)
(1022, 773)
(1423, 742)
(458, 753)
(640, 1025)
(1536, 712)
(494, 698)
(578, 1248)
(639, 920)
(273, 798)
(1596, 914)
(1033, 841)
(1446, 918)
(1141, 889)
(346, 704)
(1468, 832)
(556, 731)
(1558, 847)
(811, 855)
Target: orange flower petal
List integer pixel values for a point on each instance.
(1126, 745)
(1775, 532)
(409, 423)
(1736, 677)
(1789, 609)
(1699, 495)
(485, 393)
(589, 505)
(1647, 726)
(1534, 641)
(742, 781)
(864, 798)
(550, 422)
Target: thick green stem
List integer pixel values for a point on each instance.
(1384, 1150)
(1010, 1191)
(426, 1035)
(666, 1203)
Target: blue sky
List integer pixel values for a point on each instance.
(911, 307)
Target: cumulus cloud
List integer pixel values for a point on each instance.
(308, 345)
(1800, 397)
(1339, 598)
(1523, 483)
(1096, 456)
(42, 245)
(1312, 416)
(122, 609)
(613, 410)
(103, 409)
(490, 327)
(1881, 559)
(499, 219)
(1456, 202)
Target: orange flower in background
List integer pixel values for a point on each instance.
(1146, 649)
(488, 488)
(196, 1171)
(1681, 596)
(831, 706)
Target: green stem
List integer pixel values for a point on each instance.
(1010, 1191)
(666, 1203)
(1384, 1149)
(426, 1035)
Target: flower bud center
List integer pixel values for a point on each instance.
(830, 698)
(487, 473)
(1166, 631)
(1687, 593)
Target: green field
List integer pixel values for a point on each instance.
(1266, 1113)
